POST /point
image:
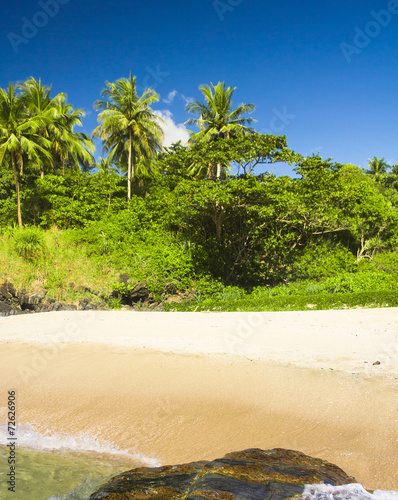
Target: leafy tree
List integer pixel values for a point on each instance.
(245, 152)
(128, 126)
(217, 120)
(343, 200)
(20, 136)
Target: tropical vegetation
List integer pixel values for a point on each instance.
(177, 217)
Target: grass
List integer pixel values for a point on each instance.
(322, 301)
(61, 262)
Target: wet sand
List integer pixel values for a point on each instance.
(184, 387)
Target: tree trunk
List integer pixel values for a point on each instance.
(219, 217)
(20, 161)
(218, 170)
(129, 168)
(14, 169)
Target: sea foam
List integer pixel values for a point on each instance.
(347, 492)
(28, 437)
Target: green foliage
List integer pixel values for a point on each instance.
(115, 303)
(200, 160)
(29, 242)
(295, 302)
(327, 238)
(322, 259)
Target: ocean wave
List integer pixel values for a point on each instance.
(347, 492)
(28, 437)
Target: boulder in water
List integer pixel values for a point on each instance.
(253, 474)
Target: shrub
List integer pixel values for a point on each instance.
(29, 242)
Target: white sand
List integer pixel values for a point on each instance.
(347, 340)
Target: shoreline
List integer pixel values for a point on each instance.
(180, 387)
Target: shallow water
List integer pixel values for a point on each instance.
(42, 474)
(50, 466)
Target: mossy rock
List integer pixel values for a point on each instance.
(244, 475)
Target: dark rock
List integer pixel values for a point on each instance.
(56, 306)
(138, 293)
(7, 292)
(6, 309)
(244, 475)
(8, 299)
(83, 304)
(30, 301)
(70, 307)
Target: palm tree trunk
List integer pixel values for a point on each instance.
(14, 169)
(129, 169)
(218, 170)
(20, 159)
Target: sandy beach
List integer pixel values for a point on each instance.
(179, 387)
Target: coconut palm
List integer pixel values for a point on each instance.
(71, 148)
(128, 127)
(217, 120)
(37, 102)
(68, 147)
(20, 137)
(377, 168)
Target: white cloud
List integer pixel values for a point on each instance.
(170, 97)
(173, 132)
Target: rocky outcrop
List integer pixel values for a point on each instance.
(137, 296)
(132, 298)
(14, 301)
(244, 475)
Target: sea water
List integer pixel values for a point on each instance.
(55, 467)
(52, 467)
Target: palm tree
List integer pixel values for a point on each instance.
(73, 148)
(216, 118)
(128, 127)
(67, 146)
(19, 136)
(377, 168)
(37, 102)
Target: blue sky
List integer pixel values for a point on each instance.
(286, 57)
